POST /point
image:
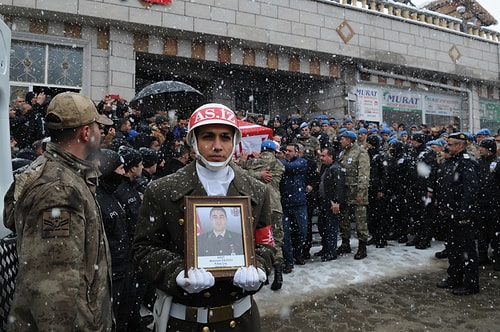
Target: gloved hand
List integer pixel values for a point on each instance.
(197, 280)
(249, 278)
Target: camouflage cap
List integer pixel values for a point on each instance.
(73, 110)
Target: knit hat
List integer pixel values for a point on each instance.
(373, 140)
(149, 156)
(130, 157)
(109, 160)
(489, 144)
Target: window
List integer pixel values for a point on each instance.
(252, 101)
(42, 64)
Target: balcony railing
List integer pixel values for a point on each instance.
(406, 12)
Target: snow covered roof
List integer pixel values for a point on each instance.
(474, 12)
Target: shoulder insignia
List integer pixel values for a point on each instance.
(56, 224)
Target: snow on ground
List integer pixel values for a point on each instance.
(317, 278)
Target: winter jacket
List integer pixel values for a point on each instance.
(489, 181)
(293, 182)
(459, 184)
(64, 279)
(422, 170)
(115, 222)
(332, 183)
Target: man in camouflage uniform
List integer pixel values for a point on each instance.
(356, 163)
(199, 301)
(269, 170)
(64, 278)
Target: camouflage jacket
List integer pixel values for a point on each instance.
(64, 277)
(356, 163)
(267, 161)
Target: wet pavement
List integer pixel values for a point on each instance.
(409, 302)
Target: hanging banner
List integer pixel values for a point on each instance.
(402, 101)
(442, 105)
(368, 104)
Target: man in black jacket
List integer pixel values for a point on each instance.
(489, 200)
(421, 181)
(331, 199)
(458, 207)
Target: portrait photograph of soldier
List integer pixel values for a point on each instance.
(220, 240)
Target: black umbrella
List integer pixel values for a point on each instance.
(172, 94)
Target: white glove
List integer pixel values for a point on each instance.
(249, 278)
(197, 280)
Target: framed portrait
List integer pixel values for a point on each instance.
(218, 234)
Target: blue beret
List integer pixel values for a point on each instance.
(385, 130)
(403, 132)
(346, 121)
(349, 134)
(334, 121)
(303, 125)
(325, 122)
(362, 131)
(484, 131)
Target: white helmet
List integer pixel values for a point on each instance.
(212, 114)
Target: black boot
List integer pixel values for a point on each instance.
(278, 277)
(361, 251)
(344, 248)
(483, 258)
(442, 254)
(496, 261)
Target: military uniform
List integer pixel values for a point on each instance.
(158, 252)
(267, 161)
(210, 244)
(60, 233)
(356, 163)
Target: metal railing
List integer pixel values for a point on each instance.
(425, 16)
(8, 272)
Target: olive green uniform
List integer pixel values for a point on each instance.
(64, 278)
(356, 163)
(267, 161)
(158, 248)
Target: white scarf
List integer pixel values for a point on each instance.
(215, 182)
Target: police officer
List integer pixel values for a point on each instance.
(377, 190)
(458, 206)
(159, 248)
(421, 180)
(489, 201)
(64, 280)
(356, 163)
(397, 170)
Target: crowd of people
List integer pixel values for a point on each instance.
(393, 182)
(409, 185)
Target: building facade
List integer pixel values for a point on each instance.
(372, 60)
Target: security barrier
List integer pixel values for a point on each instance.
(8, 267)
